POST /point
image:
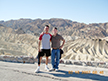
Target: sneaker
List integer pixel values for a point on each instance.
(56, 70)
(37, 70)
(46, 68)
(52, 69)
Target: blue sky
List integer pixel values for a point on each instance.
(83, 11)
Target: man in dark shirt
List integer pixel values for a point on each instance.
(55, 54)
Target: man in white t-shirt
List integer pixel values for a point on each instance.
(44, 39)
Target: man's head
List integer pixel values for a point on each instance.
(46, 29)
(54, 30)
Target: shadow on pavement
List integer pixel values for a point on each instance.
(65, 74)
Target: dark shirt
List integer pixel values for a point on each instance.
(56, 41)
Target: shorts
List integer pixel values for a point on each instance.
(46, 52)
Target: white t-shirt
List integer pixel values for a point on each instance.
(45, 38)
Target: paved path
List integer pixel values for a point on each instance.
(25, 72)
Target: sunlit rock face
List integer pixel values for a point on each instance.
(17, 44)
(86, 49)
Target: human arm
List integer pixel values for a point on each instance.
(39, 43)
(62, 44)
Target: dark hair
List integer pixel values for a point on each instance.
(47, 26)
(55, 28)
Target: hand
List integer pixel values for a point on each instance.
(60, 47)
(42, 33)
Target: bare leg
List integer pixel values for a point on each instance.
(46, 61)
(39, 61)
(46, 66)
(38, 68)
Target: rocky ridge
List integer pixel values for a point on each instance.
(75, 48)
(65, 27)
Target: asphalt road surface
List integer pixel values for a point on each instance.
(26, 72)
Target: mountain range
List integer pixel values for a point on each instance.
(65, 27)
